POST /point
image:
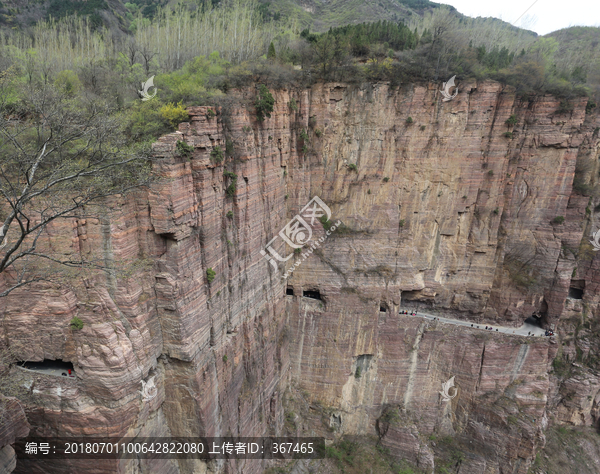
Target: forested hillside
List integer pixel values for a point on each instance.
(197, 51)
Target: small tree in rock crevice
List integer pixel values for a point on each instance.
(233, 185)
(216, 154)
(183, 149)
(76, 323)
(210, 274)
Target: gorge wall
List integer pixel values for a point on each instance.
(446, 212)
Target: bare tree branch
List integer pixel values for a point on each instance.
(61, 155)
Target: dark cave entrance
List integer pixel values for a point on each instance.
(576, 289)
(575, 293)
(50, 367)
(534, 321)
(539, 318)
(289, 291)
(314, 294)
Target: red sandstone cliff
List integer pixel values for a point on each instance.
(463, 224)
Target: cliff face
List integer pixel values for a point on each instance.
(443, 211)
(13, 424)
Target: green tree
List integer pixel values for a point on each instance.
(76, 323)
(328, 52)
(264, 103)
(69, 82)
(271, 55)
(174, 113)
(210, 274)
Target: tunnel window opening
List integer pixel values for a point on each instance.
(289, 291)
(576, 289)
(314, 294)
(50, 367)
(382, 308)
(576, 293)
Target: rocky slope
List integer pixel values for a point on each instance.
(445, 211)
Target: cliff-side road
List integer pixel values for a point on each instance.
(525, 330)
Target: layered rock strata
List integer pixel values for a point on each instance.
(445, 211)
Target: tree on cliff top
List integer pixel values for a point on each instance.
(60, 158)
(264, 103)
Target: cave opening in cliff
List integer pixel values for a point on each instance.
(539, 318)
(534, 320)
(289, 291)
(415, 299)
(576, 289)
(314, 294)
(576, 293)
(50, 367)
(383, 308)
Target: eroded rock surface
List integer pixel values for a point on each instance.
(445, 213)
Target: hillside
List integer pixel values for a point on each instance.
(116, 15)
(315, 14)
(321, 15)
(577, 54)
